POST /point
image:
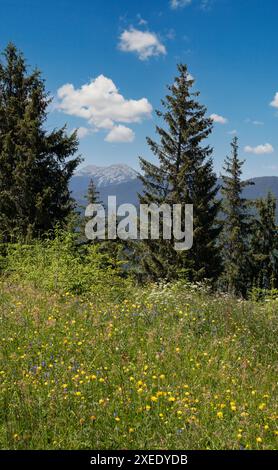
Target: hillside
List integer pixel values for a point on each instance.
(122, 181)
(162, 368)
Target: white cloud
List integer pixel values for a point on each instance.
(179, 3)
(233, 132)
(120, 133)
(219, 119)
(203, 4)
(101, 105)
(143, 43)
(255, 123)
(260, 149)
(274, 103)
(141, 20)
(82, 132)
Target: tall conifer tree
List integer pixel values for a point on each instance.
(184, 175)
(92, 193)
(35, 165)
(264, 244)
(237, 225)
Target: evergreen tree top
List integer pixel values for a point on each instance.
(35, 164)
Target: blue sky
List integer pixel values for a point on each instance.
(107, 63)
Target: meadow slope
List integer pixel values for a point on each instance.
(167, 367)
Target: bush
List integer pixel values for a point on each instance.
(60, 265)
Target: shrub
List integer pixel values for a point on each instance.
(60, 265)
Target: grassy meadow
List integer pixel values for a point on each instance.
(155, 367)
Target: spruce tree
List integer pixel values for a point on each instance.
(92, 193)
(235, 236)
(264, 244)
(35, 165)
(184, 175)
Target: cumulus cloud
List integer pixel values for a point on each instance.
(82, 132)
(219, 119)
(179, 3)
(102, 106)
(144, 43)
(274, 103)
(260, 149)
(120, 133)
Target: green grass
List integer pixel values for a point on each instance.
(167, 368)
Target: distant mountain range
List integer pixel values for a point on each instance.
(122, 181)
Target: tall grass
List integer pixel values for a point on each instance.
(167, 366)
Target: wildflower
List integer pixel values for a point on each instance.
(262, 406)
(162, 376)
(131, 430)
(154, 398)
(219, 415)
(259, 440)
(171, 399)
(93, 418)
(117, 419)
(148, 407)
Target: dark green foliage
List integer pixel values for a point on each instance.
(184, 175)
(35, 165)
(264, 244)
(92, 194)
(236, 227)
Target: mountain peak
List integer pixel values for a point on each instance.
(105, 175)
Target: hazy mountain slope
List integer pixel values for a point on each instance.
(122, 181)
